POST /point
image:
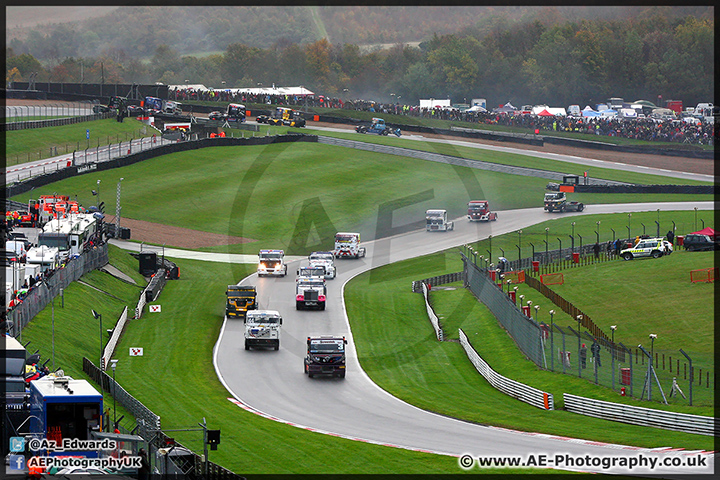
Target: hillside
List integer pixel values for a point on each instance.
(46, 32)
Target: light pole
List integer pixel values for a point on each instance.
(653, 336)
(628, 226)
(537, 307)
(519, 244)
(117, 209)
(99, 317)
(612, 354)
(552, 346)
(113, 364)
(597, 232)
(579, 319)
(547, 232)
(695, 218)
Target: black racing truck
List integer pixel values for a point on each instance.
(325, 356)
(240, 299)
(557, 202)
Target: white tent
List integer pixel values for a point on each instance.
(195, 86)
(475, 109)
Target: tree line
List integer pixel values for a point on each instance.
(536, 61)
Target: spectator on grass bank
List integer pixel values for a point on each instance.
(671, 236)
(596, 250)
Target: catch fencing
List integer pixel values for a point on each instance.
(525, 331)
(51, 286)
(520, 391)
(53, 122)
(149, 428)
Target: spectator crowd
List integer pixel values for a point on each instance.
(647, 129)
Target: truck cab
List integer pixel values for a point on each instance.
(235, 112)
(310, 292)
(347, 245)
(240, 299)
(436, 221)
(325, 260)
(479, 211)
(325, 355)
(557, 201)
(271, 262)
(262, 329)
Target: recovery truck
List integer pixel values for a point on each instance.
(436, 221)
(271, 262)
(325, 260)
(310, 292)
(557, 201)
(479, 211)
(325, 355)
(347, 245)
(240, 299)
(262, 329)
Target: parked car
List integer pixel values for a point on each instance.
(216, 115)
(135, 111)
(699, 242)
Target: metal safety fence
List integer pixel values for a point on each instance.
(52, 285)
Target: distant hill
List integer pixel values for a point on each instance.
(137, 31)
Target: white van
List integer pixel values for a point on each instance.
(17, 247)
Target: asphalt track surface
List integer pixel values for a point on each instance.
(272, 383)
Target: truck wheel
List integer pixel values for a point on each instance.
(322, 306)
(277, 346)
(298, 305)
(247, 346)
(656, 254)
(341, 374)
(581, 207)
(627, 256)
(311, 374)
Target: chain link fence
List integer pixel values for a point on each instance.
(43, 293)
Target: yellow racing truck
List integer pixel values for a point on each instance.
(240, 299)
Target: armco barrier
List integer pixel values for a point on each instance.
(434, 320)
(438, 280)
(533, 396)
(647, 417)
(114, 339)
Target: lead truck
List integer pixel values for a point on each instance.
(262, 329)
(347, 245)
(271, 262)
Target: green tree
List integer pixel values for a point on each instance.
(25, 64)
(237, 60)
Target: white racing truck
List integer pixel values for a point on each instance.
(262, 329)
(347, 245)
(326, 260)
(310, 292)
(436, 221)
(271, 262)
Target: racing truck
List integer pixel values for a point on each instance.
(283, 116)
(436, 221)
(377, 127)
(271, 262)
(235, 112)
(479, 211)
(325, 260)
(557, 201)
(325, 355)
(262, 329)
(240, 299)
(310, 292)
(347, 245)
